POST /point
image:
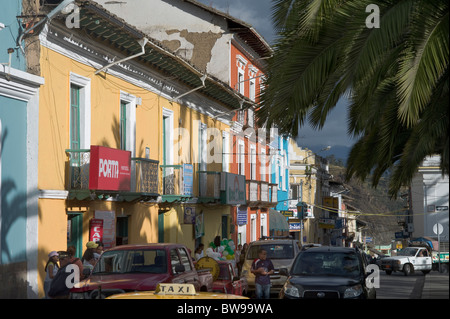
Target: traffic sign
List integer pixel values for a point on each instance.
(438, 229)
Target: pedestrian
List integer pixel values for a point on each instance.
(99, 250)
(242, 257)
(51, 268)
(237, 257)
(262, 268)
(71, 250)
(199, 252)
(58, 287)
(89, 259)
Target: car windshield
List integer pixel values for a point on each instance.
(274, 251)
(343, 264)
(407, 252)
(132, 261)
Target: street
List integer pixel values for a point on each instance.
(415, 286)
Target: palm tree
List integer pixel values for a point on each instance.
(395, 77)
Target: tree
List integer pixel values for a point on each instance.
(395, 77)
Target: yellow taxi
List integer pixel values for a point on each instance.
(175, 291)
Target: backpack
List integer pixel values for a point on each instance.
(58, 286)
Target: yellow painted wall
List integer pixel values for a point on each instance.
(54, 139)
(176, 231)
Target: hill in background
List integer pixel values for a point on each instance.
(378, 211)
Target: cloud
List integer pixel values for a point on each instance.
(254, 12)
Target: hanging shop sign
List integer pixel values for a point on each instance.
(242, 215)
(234, 189)
(327, 223)
(96, 230)
(110, 169)
(188, 179)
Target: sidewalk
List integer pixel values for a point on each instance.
(436, 286)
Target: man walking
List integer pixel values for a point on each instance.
(262, 268)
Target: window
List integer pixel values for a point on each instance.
(75, 117)
(185, 259)
(80, 112)
(225, 151)
(253, 163)
(174, 259)
(241, 158)
(263, 164)
(127, 122)
(202, 135)
(241, 82)
(252, 90)
(123, 125)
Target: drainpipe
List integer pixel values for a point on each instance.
(49, 16)
(142, 42)
(203, 79)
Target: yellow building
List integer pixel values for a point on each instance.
(109, 92)
(308, 180)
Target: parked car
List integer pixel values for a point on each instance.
(308, 246)
(228, 281)
(281, 252)
(141, 268)
(327, 273)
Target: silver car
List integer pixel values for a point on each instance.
(281, 252)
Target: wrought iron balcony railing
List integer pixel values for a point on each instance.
(177, 181)
(144, 181)
(208, 186)
(260, 193)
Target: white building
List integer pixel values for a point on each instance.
(429, 201)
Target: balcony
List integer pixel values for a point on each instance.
(177, 182)
(143, 179)
(209, 186)
(261, 194)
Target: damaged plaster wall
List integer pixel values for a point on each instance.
(31, 8)
(197, 48)
(192, 33)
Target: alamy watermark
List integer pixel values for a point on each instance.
(73, 19)
(373, 19)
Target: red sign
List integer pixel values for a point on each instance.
(110, 169)
(96, 230)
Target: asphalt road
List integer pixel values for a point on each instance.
(415, 286)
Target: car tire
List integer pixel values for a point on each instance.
(407, 269)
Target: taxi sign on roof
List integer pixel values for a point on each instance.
(175, 289)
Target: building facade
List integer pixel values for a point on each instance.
(119, 126)
(309, 183)
(429, 194)
(233, 52)
(19, 105)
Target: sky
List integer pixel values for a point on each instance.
(258, 13)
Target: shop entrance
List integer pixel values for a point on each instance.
(75, 232)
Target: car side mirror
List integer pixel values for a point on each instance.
(284, 272)
(179, 268)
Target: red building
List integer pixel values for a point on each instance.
(250, 147)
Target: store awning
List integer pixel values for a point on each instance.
(277, 221)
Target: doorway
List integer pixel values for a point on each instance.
(75, 232)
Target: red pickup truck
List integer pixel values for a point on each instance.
(131, 268)
(228, 281)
